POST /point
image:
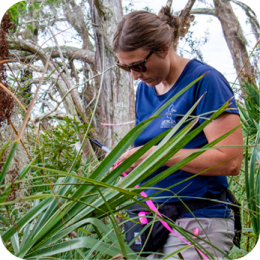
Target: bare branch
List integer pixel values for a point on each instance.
(75, 17)
(28, 113)
(236, 40)
(74, 71)
(186, 10)
(252, 18)
(32, 81)
(58, 115)
(208, 11)
(99, 7)
(60, 52)
(50, 22)
(75, 87)
(26, 45)
(183, 22)
(16, 66)
(244, 6)
(68, 52)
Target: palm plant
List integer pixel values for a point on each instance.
(249, 111)
(76, 200)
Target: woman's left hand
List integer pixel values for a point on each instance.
(127, 154)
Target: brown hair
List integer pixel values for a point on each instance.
(142, 29)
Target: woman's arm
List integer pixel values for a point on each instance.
(230, 159)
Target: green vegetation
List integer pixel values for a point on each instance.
(17, 10)
(62, 205)
(63, 201)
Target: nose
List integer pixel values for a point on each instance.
(136, 75)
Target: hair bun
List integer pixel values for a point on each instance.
(166, 15)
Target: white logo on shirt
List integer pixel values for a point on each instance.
(169, 123)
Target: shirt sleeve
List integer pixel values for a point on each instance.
(217, 92)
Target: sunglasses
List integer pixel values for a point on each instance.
(136, 66)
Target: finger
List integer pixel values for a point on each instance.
(123, 157)
(134, 165)
(112, 168)
(129, 170)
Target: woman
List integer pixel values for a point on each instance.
(143, 45)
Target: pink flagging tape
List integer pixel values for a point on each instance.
(151, 205)
(196, 232)
(126, 123)
(142, 217)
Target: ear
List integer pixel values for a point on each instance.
(164, 52)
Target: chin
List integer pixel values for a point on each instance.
(150, 83)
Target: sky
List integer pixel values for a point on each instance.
(215, 51)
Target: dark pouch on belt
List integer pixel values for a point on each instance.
(153, 235)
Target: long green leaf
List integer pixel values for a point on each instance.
(15, 242)
(257, 188)
(8, 161)
(82, 242)
(26, 219)
(62, 233)
(180, 164)
(116, 229)
(103, 168)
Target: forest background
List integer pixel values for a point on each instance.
(60, 85)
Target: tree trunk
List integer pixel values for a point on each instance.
(116, 104)
(252, 18)
(235, 40)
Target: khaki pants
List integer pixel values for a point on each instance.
(220, 233)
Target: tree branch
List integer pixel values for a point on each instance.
(204, 11)
(32, 81)
(19, 67)
(75, 87)
(51, 22)
(60, 52)
(74, 71)
(186, 10)
(99, 7)
(29, 46)
(183, 22)
(68, 52)
(244, 6)
(75, 17)
(58, 115)
(252, 18)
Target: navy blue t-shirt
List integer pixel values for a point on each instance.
(217, 91)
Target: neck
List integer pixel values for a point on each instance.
(177, 65)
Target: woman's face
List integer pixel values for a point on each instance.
(157, 65)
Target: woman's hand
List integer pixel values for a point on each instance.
(127, 154)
